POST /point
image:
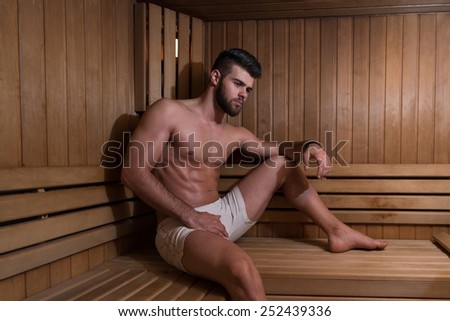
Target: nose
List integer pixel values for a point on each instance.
(243, 94)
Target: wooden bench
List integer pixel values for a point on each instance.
(407, 198)
(58, 222)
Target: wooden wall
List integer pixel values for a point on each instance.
(382, 83)
(66, 87)
(66, 79)
(169, 55)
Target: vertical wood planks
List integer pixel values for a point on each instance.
(67, 79)
(198, 70)
(140, 51)
(265, 92)
(410, 79)
(280, 79)
(393, 117)
(94, 84)
(171, 66)
(377, 88)
(183, 63)
(109, 71)
(234, 40)
(361, 90)
(170, 30)
(427, 83)
(296, 79)
(76, 85)
(249, 43)
(328, 74)
(154, 54)
(344, 112)
(56, 85)
(32, 83)
(442, 110)
(10, 127)
(312, 78)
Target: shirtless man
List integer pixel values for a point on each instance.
(173, 165)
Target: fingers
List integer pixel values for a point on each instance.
(219, 228)
(322, 159)
(211, 223)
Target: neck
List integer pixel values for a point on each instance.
(210, 110)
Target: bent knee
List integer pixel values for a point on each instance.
(243, 269)
(279, 162)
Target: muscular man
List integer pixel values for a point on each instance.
(173, 164)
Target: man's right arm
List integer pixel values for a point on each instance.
(144, 149)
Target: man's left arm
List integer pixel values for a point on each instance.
(307, 152)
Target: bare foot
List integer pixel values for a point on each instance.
(345, 239)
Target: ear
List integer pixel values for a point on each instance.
(215, 77)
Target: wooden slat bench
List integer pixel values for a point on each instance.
(56, 222)
(409, 201)
(301, 268)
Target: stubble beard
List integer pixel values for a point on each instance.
(224, 104)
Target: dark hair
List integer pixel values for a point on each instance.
(235, 56)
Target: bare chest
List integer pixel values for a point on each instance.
(195, 145)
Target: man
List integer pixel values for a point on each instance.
(173, 165)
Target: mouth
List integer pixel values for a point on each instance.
(239, 103)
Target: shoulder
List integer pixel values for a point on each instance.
(163, 111)
(165, 106)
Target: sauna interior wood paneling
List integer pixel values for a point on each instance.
(67, 80)
(378, 85)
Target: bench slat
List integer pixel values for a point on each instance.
(314, 271)
(22, 178)
(87, 287)
(109, 287)
(14, 207)
(443, 239)
(129, 289)
(366, 186)
(374, 202)
(33, 232)
(197, 292)
(364, 217)
(60, 288)
(176, 289)
(38, 255)
(363, 170)
(158, 286)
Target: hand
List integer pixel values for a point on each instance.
(208, 222)
(316, 153)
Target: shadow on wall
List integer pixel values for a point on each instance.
(134, 215)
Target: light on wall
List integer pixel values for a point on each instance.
(176, 47)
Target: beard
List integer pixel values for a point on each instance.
(224, 104)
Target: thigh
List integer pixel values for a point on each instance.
(209, 256)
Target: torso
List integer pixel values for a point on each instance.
(190, 164)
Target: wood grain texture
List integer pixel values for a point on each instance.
(377, 83)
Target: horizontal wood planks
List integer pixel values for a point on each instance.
(141, 275)
(58, 222)
(397, 201)
(293, 268)
(406, 269)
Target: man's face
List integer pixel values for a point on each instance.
(233, 89)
